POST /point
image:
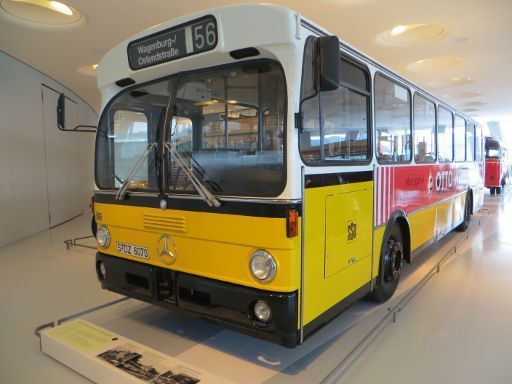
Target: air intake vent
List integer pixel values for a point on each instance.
(168, 223)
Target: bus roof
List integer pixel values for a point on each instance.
(232, 19)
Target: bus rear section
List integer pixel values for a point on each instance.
(496, 165)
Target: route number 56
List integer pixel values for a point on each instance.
(204, 35)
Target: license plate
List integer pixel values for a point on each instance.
(133, 250)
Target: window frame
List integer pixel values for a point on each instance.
(470, 123)
(369, 118)
(479, 140)
(149, 120)
(399, 83)
(443, 106)
(413, 149)
(455, 115)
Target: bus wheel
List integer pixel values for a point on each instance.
(467, 215)
(498, 190)
(493, 190)
(391, 265)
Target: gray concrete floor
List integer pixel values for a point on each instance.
(456, 330)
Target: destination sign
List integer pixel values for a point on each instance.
(184, 40)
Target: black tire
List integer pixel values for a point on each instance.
(493, 190)
(498, 190)
(392, 256)
(94, 226)
(467, 216)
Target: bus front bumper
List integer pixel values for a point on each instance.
(227, 304)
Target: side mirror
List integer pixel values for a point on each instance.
(61, 118)
(61, 112)
(328, 49)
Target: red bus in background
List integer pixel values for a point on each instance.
(497, 165)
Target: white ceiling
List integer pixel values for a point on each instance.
(477, 32)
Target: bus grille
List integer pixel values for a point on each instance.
(169, 223)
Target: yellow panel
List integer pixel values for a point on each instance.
(422, 226)
(444, 217)
(347, 231)
(213, 245)
(322, 293)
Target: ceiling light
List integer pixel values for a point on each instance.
(53, 5)
(398, 30)
(41, 11)
(412, 33)
(59, 7)
(467, 94)
(451, 82)
(434, 63)
(89, 69)
(475, 103)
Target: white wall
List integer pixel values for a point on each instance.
(23, 183)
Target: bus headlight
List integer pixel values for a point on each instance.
(263, 267)
(262, 311)
(103, 237)
(101, 270)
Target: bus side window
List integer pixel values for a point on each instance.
(478, 143)
(341, 132)
(445, 135)
(392, 121)
(345, 123)
(459, 142)
(424, 130)
(309, 139)
(470, 142)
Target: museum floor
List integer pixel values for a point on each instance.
(457, 329)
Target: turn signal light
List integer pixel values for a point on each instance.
(292, 223)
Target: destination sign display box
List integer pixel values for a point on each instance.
(184, 40)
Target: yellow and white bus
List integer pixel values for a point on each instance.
(253, 170)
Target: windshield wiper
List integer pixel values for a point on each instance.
(121, 193)
(206, 195)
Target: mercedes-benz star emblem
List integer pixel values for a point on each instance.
(167, 251)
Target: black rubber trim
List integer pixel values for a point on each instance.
(328, 179)
(243, 53)
(125, 82)
(336, 309)
(243, 208)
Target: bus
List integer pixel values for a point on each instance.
(254, 170)
(497, 165)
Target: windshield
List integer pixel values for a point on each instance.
(492, 149)
(227, 126)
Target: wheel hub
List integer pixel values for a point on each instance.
(393, 261)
